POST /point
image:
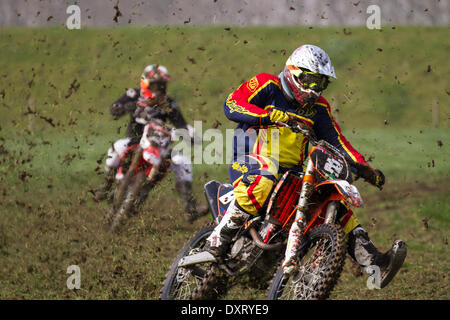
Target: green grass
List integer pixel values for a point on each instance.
(207, 62)
(403, 153)
(48, 220)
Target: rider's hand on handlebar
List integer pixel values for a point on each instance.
(278, 115)
(377, 178)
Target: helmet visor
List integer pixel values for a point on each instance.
(158, 87)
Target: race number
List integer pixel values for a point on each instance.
(333, 167)
(227, 197)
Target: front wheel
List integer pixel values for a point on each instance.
(124, 206)
(320, 266)
(181, 282)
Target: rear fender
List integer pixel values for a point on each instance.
(348, 191)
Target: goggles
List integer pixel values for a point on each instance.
(308, 80)
(312, 81)
(152, 89)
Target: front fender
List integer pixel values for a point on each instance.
(348, 191)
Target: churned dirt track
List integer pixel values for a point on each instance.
(49, 222)
(417, 213)
(39, 242)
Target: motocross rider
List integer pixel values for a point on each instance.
(255, 106)
(152, 93)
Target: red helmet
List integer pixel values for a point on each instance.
(154, 83)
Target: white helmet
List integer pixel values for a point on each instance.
(306, 74)
(154, 83)
(155, 72)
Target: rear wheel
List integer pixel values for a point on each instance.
(319, 269)
(181, 282)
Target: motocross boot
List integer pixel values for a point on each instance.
(192, 210)
(103, 189)
(364, 252)
(219, 240)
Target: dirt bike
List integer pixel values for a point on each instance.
(141, 164)
(311, 199)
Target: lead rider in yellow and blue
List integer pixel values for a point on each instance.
(263, 151)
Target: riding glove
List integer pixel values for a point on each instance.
(377, 178)
(278, 115)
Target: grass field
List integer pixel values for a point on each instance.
(55, 90)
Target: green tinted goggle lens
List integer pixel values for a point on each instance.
(313, 81)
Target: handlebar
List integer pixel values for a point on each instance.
(362, 170)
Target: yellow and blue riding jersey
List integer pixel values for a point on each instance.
(255, 134)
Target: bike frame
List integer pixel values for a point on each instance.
(305, 218)
(343, 191)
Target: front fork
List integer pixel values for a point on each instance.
(125, 181)
(299, 225)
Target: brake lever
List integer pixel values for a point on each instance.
(283, 124)
(295, 128)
